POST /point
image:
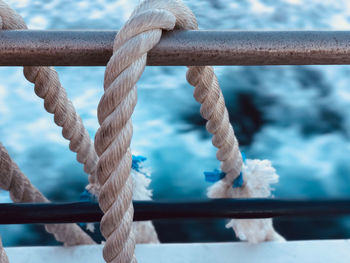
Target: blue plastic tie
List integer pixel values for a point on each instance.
(217, 175)
(86, 196)
(238, 182)
(137, 161)
(214, 176)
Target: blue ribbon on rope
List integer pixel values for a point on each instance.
(214, 176)
(86, 196)
(217, 175)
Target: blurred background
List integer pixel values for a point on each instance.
(298, 117)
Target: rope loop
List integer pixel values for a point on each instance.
(140, 34)
(112, 141)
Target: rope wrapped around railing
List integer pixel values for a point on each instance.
(112, 141)
(139, 35)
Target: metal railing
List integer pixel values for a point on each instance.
(187, 48)
(30, 213)
(94, 48)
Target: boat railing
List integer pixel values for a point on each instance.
(187, 48)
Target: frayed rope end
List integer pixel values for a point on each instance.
(258, 175)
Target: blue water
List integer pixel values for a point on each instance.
(295, 116)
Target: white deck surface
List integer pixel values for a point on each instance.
(327, 251)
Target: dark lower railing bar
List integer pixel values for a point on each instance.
(94, 48)
(150, 210)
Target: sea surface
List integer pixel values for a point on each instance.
(296, 116)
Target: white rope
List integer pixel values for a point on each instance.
(112, 141)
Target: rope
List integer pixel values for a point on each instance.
(208, 93)
(22, 191)
(144, 230)
(257, 175)
(3, 256)
(56, 101)
(112, 141)
(48, 87)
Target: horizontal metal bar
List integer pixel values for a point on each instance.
(94, 48)
(150, 210)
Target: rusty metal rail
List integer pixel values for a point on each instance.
(93, 48)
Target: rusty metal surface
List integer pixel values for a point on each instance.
(93, 48)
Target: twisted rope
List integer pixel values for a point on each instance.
(48, 87)
(208, 93)
(112, 141)
(258, 175)
(22, 191)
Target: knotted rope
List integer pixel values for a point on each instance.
(22, 191)
(112, 141)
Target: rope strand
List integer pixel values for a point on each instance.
(48, 87)
(208, 93)
(22, 191)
